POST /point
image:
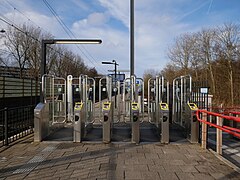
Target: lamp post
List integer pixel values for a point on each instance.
(115, 77)
(2, 31)
(60, 41)
(131, 37)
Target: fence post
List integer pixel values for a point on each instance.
(219, 136)
(6, 126)
(204, 131)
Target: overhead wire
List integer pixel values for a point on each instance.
(16, 9)
(71, 34)
(12, 24)
(28, 34)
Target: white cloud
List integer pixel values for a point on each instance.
(47, 23)
(157, 23)
(114, 46)
(81, 4)
(153, 31)
(117, 9)
(97, 19)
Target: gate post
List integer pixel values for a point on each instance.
(219, 136)
(6, 126)
(204, 132)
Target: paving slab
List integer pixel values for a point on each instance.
(64, 160)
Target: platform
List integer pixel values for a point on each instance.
(67, 160)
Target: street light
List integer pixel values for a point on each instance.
(115, 76)
(60, 41)
(115, 67)
(131, 37)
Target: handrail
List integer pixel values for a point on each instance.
(233, 129)
(223, 128)
(219, 115)
(233, 112)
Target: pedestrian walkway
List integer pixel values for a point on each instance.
(67, 160)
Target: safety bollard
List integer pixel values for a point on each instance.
(164, 122)
(135, 123)
(79, 124)
(107, 110)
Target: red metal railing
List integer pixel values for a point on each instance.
(230, 130)
(218, 125)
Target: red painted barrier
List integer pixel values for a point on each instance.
(230, 130)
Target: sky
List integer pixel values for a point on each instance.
(157, 24)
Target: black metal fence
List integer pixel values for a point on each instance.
(200, 94)
(15, 123)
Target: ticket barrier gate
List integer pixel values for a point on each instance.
(107, 110)
(135, 123)
(79, 122)
(163, 123)
(41, 122)
(192, 124)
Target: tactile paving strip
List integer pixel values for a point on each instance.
(36, 160)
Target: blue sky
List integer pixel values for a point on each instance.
(157, 23)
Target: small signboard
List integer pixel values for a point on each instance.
(204, 90)
(119, 77)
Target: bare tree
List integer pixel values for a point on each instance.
(24, 47)
(18, 43)
(229, 40)
(34, 59)
(206, 47)
(181, 54)
(170, 72)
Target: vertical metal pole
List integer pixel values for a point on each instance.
(94, 97)
(181, 101)
(142, 98)
(167, 92)
(148, 105)
(132, 37)
(43, 67)
(204, 132)
(219, 136)
(173, 102)
(69, 98)
(53, 102)
(115, 84)
(157, 94)
(100, 98)
(6, 126)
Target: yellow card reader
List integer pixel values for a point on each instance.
(135, 106)
(193, 106)
(78, 106)
(163, 106)
(106, 106)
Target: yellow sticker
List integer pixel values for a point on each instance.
(192, 106)
(163, 106)
(78, 106)
(135, 106)
(106, 106)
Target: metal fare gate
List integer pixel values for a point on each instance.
(64, 97)
(81, 89)
(54, 93)
(188, 96)
(158, 110)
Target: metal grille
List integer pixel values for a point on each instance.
(15, 123)
(200, 92)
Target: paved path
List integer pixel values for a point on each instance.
(29, 160)
(230, 146)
